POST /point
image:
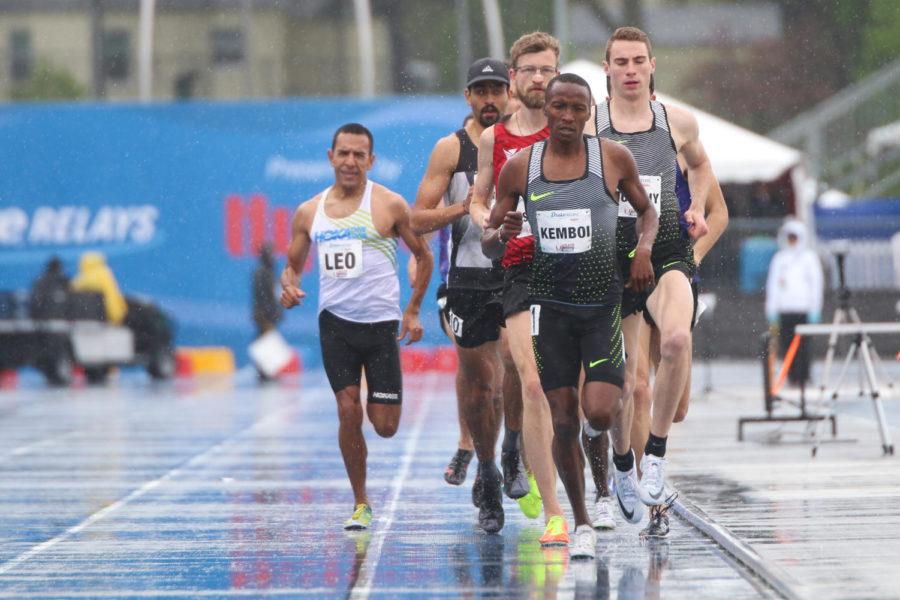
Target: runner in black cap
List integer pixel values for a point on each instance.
(472, 281)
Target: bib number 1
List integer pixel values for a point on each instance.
(535, 319)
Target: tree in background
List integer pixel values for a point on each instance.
(826, 46)
(48, 82)
(424, 37)
(881, 42)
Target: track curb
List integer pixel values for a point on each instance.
(771, 575)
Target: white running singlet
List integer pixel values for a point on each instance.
(357, 265)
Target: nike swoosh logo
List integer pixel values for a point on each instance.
(537, 197)
(628, 515)
(667, 265)
(623, 142)
(594, 363)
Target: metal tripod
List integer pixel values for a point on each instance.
(863, 349)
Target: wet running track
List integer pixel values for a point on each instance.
(221, 489)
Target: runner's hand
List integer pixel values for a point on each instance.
(641, 272)
(512, 226)
(696, 222)
(412, 326)
(291, 295)
(467, 203)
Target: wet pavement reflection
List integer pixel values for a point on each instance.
(232, 490)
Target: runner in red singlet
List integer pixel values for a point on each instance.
(534, 60)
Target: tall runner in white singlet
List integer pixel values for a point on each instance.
(355, 225)
(472, 283)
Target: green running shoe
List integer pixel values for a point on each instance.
(531, 503)
(361, 518)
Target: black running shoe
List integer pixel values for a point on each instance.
(477, 491)
(658, 527)
(515, 480)
(490, 513)
(459, 464)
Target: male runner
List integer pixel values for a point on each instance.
(642, 340)
(355, 224)
(473, 279)
(534, 60)
(576, 288)
(455, 473)
(647, 353)
(657, 135)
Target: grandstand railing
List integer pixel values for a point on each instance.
(833, 134)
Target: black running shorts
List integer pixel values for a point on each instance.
(568, 338)
(632, 302)
(348, 346)
(473, 318)
(515, 297)
(674, 255)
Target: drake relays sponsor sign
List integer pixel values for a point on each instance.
(77, 225)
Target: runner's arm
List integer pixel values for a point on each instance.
(686, 134)
(411, 263)
(504, 222)
(716, 220)
(484, 179)
(648, 221)
(424, 265)
(291, 294)
(427, 214)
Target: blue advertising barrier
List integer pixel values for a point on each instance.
(180, 197)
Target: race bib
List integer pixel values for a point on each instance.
(565, 231)
(456, 324)
(535, 319)
(653, 186)
(341, 259)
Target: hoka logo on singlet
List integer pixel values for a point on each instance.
(350, 233)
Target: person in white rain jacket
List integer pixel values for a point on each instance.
(794, 293)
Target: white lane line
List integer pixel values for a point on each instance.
(363, 586)
(29, 448)
(150, 485)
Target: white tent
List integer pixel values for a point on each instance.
(737, 155)
(883, 138)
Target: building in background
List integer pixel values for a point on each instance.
(202, 48)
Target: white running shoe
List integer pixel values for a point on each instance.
(585, 543)
(627, 495)
(653, 480)
(603, 513)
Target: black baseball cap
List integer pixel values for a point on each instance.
(487, 69)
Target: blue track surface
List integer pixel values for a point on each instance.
(221, 489)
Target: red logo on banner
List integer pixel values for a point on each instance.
(250, 223)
